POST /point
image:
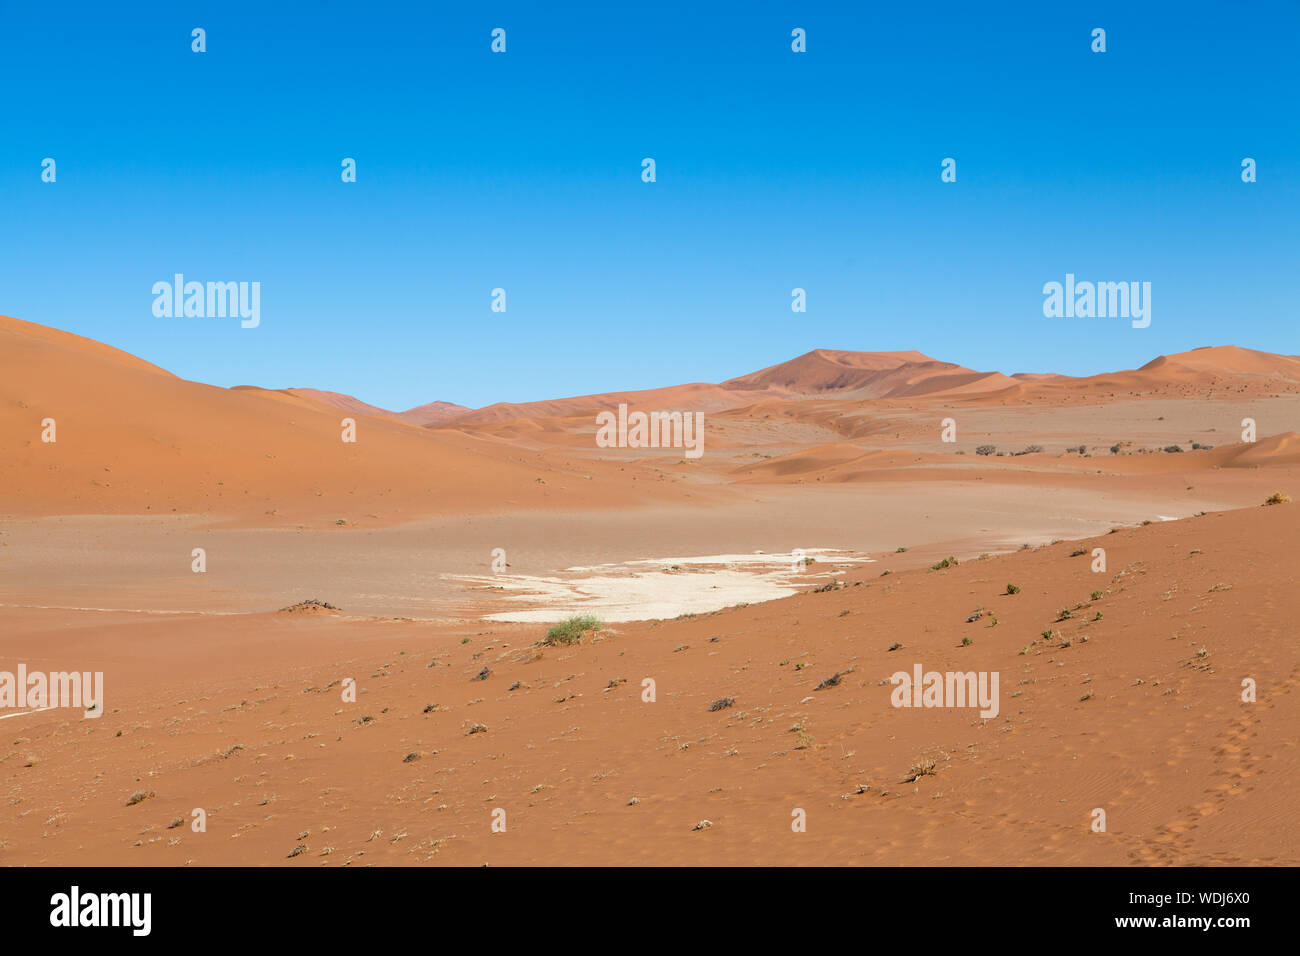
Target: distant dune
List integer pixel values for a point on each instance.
(698, 396)
(420, 415)
(867, 375)
(1227, 360)
(133, 438)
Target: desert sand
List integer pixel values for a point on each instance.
(1130, 702)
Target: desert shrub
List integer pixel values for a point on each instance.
(986, 449)
(922, 768)
(571, 631)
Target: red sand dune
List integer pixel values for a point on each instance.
(132, 438)
(1228, 359)
(1283, 449)
(890, 377)
(432, 413)
(696, 397)
(421, 415)
(867, 375)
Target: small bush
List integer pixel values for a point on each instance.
(948, 562)
(922, 768)
(571, 631)
(1277, 498)
(833, 681)
(1173, 448)
(1013, 589)
(986, 449)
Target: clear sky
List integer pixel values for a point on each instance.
(522, 170)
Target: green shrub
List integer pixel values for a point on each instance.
(571, 631)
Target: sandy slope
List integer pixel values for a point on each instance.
(134, 439)
(1140, 715)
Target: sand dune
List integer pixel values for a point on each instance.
(867, 375)
(697, 397)
(1273, 450)
(1228, 360)
(131, 438)
(432, 412)
(420, 415)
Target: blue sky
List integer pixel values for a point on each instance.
(523, 171)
